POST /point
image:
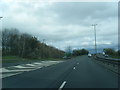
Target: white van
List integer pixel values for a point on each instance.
(89, 55)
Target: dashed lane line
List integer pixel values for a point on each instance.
(62, 85)
(74, 68)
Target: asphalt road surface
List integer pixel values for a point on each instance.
(80, 72)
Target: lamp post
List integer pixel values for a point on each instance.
(43, 41)
(94, 26)
(1, 23)
(0, 40)
(1, 18)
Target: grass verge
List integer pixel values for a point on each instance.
(116, 57)
(13, 59)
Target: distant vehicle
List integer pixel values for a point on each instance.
(68, 57)
(103, 53)
(106, 55)
(65, 57)
(89, 55)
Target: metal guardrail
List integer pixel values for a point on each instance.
(108, 60)
(110, 63)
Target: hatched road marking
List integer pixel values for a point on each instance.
(18, 69)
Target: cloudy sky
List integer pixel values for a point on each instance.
(63, 24)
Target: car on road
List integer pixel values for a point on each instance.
(106, 55)
(103, 53)
(65, 57)
(89, 55)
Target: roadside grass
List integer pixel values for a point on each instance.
(116, 57)
(13, 59)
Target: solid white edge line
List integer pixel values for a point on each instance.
(63, 84)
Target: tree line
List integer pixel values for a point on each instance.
(111, 52)
(80, 52)
(26, 46)
(76, 52)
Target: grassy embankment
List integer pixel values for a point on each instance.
(13, 59)
(114, 56)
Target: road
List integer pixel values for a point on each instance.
(80, 72)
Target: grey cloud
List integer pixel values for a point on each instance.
(64, 23)
(76, 13)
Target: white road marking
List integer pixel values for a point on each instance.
(63, 84)
(3, 70)
(19, 66)
(30, 65)
(8, 75)
(37, 63)
(13, 71)
(74, 68)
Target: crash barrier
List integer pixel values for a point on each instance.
(111, 63)
(108, 60)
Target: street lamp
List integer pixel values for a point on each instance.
(43, 41)
(94, 26)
